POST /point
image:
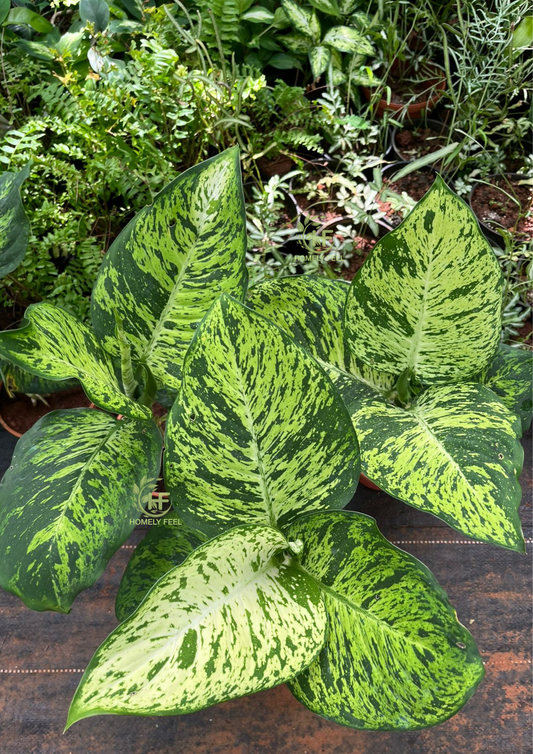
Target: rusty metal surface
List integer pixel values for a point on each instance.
(42, 656)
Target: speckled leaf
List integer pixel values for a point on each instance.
(170, 264)
(302, 19)
(454, 453)
(396, 657)
(67, 502)
(17, 380)
(14, 224)
(236, 617)
(54, 345)
(510, 375)
(166, 545)
(258, 434)
(319, 58)
(347, 39)
(429, 295)
(310, 309)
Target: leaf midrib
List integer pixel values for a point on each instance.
(358, 609)
(204, 614)
(263, 476)
(414, 351)
(169, 306)
(416, 412)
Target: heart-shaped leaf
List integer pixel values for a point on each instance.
(429, 296)
(454, 453)
(236, 617)
(510, 375)
(309, 308)
(54, 345)
(14, 224)
(171, 263)
(67, 502)
(166, 545)
(396, 657)
(258, 434)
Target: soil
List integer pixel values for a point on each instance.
(418, 143)
(362, 249)
(415, 185)
(20, 413)
(11, 316)
(497, 210)
(524, 333)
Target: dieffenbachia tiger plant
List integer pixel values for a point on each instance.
(413, 346)
(266, 579)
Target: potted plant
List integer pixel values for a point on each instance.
(260, 577)
(416, 386)
(399, 186)
(418, 140)
(408, 93)
(504, 202)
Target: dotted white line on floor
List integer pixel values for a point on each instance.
(43, 670)
(443, 542)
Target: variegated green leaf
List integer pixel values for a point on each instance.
(396, 657)
(303, 20)
(171, 262)
(319, 58)
(236, 617)
(67, 502)
(428, 297)
(17, 380)
(309, 308)
(14, 224)
(297, 43)
(454, 453)
(510, 376)
(346, 39)
(54, 345)
(257, 434)
(166, 545)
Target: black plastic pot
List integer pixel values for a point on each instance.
(490, 234)
(435, 125)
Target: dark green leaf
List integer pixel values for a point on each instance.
(96, 12)
(14, 224)
(396, 657)
(68, 502)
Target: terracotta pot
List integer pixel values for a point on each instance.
(417, 109)
(367, 483)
